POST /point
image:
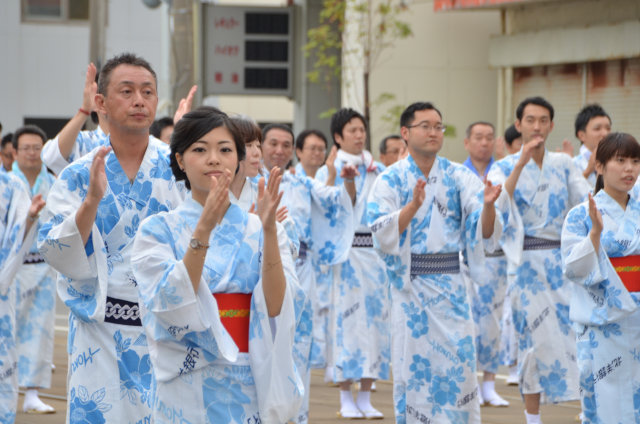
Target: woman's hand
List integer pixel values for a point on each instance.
(596, 223)
(269, 199)
(217, 201)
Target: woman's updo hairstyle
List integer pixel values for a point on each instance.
(192, 127)
(615, 145)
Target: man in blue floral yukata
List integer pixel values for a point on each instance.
(95, 208)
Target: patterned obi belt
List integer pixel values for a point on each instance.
(362, 240)
(535, 243)
(234, 314)
(628, 268)
(439, 263)
(123, 312)
(33, 258)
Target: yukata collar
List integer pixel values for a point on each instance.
(365, 158)
(42, 175)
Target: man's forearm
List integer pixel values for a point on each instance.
(67, 136)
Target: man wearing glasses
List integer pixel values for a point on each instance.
(423, 212)
(34, 281)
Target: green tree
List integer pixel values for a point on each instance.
(374, 26)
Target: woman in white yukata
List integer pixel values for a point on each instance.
(226, 357)
(244, 188)
(601, 254)
(17, 231)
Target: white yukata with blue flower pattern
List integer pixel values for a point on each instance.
(433, 354)
(488, 295)
(540, 294)
(35, 302)
(581, 160)
(109, 367)
(201, 376)
(14, 206)
(321, 215)
(360, 295)
(605, 314)
(85, 142)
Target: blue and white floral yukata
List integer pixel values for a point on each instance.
(360, 294)
(539, 294)
(201, 376)
(322, 216)
(35, 302)
(85, 142)
(581, 160)
(605, 314)
(487, 300)
(14, 207)
(433, 354)
(109, 366)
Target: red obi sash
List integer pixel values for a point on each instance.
(234, 313)
(628, 268)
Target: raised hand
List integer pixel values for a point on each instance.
(185, 105)
(500, 148)
(491, 192)
(217, 201)
(349, 172)
(37, 203)
(90, 88)
(331, 163)
(282, 213)
(268, 199)
(97, 176)
(419, 194)
(596, 217)
(529, 147)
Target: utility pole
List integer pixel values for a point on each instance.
(97, 34)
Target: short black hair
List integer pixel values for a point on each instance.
(192, 127)
(586, 114)
(409, 114)
(536, 100)
(270, 127)
(114, 62)
(511, 134)
(383, 143)
(306, 133)
(160, 124)
(28, 129)
(615, 145)
(473, 124)
(6, 139)
(341, 118)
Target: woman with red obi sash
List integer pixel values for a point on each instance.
(601, 255)
(217, 288)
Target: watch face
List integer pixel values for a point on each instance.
(194, 243)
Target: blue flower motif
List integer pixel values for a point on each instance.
(466, 350)
(557, 203)
(327, 253)
(352, 367)
(611, 329)
(554, 274)
(135, 371)
(554, 383)
(443, 391)
(576, 220)
(85, 409)
(224, 400)
(83, 305)
(421, 369)
(526, 278)
(486, 293)
(374, 307)
(519, 320)
(6, 328)
(347, 275)
(418, 321)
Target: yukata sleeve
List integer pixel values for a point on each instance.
(83, 268)
(598, 295)
(279, 388)
(13, 242)
(577, 184)
(167, 293)
(331, 221)
(512, 237)
(383, 213)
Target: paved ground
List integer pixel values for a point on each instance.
(324, 399)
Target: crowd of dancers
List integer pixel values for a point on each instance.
(206, 275)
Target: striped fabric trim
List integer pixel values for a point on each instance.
(535, 243)
(441, 263)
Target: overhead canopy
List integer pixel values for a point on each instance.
(478, 4)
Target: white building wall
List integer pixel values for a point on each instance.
(445, 62)
(44, 63)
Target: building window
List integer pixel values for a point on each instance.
(55, 10)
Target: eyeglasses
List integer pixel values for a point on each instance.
(30, 148)
(427, 128)
(316, 149)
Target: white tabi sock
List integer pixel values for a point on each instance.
(348, 408)
(532, 418)
(363, 401)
